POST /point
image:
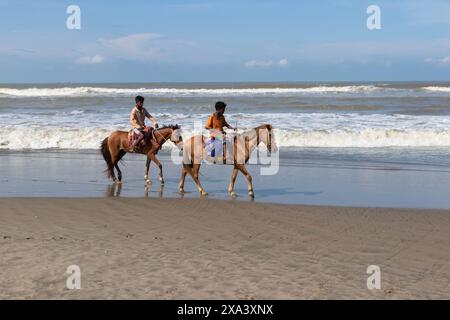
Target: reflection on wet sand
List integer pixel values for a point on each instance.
(148, 187)
(113, 190)
(318, 178)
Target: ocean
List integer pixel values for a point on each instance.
(392, 122)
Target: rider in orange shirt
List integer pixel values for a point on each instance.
(216, 122)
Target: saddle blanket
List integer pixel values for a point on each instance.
(133, 135)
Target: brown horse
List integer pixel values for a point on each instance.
(243, 146)
(114, 147)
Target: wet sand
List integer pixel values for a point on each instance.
(203, 248)
(300, 180)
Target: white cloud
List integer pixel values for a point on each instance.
(283, 62)
(445, 61)
(151, 47)
(263, 64)
(258, 64)
(140, 46)
(91, 60)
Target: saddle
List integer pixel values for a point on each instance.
(148, 135)
(218, 150)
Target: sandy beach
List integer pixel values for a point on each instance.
(203, 248)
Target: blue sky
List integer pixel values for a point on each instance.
(226, 40)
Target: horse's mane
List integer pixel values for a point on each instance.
(171, 126)
(263, 126)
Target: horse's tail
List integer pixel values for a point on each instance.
(104, 149)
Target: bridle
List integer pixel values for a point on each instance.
(165, 139)
(154, 134)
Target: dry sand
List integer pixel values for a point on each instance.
(200, 248)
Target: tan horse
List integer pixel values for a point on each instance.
(243, 145)
(114, 147)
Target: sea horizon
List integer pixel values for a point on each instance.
(304, 82)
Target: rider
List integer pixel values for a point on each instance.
(216, 122)
(137, 120)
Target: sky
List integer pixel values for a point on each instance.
(224, 40)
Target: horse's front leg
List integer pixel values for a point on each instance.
(155, 160)
(244, 171)
(195, 170)
(147, 168)
(232, 181)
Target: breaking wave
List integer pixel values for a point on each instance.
(90, 138)
(437, 89)
(100, 91)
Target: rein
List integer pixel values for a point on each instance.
(156, 139)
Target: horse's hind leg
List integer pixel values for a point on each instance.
(113, 175)
(116, 162)
(147, 168)
(119, 174)
(182, 179)
(232, 181)
(244, 171)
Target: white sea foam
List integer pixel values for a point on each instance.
(291, 130)
(437, 89)
(179, 92)
(101, 91)
(368, 138)
(90, 138)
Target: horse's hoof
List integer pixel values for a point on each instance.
(161, 180)
(203, 193)
(148, 181)
(118, 182)
(251, 194)
(233, 194)
(181, 190)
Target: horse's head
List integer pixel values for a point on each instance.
(176, 137)
(169, 132)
